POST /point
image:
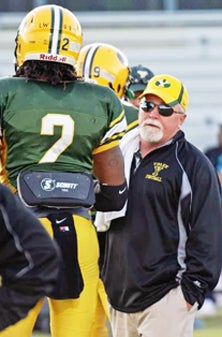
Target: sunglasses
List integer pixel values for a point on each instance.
(163, 109)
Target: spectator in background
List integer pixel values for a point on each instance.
(215, 154)
(139, 77)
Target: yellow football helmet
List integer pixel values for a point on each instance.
(105, 65)
(48, 33)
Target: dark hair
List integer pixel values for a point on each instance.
(52, 72)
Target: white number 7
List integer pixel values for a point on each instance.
(47, 128)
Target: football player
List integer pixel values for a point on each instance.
(57, 132)
(139, 78)
(107, 65)
(28, 260)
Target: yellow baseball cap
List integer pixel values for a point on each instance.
(169, 89)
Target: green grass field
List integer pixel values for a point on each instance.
(197, 333)
(208, 333)
(212, 327)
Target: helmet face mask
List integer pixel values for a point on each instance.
(105, 65)
(48, 33)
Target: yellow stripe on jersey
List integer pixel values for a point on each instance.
(118, 119)
(115, 136)
(106, 147)
(116, 131)
(132, 125)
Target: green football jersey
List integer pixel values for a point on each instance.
(56, 128)
(131, 113)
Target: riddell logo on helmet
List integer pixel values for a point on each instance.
(55, 58)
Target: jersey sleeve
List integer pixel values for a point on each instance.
(116, 126)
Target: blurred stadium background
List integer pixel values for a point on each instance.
(180, 37)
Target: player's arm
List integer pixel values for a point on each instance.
(108, 160)
(109, 169)
(109, 166)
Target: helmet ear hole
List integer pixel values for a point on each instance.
(118, 88)
(111, 86)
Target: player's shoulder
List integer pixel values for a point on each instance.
(96, 89)
(8, 86)
(10, 82)
(6, 79)
(131, 113)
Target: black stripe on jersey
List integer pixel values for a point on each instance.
(60, 29)
(91, 61)
(52, 29)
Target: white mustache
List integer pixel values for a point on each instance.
(150, 122)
